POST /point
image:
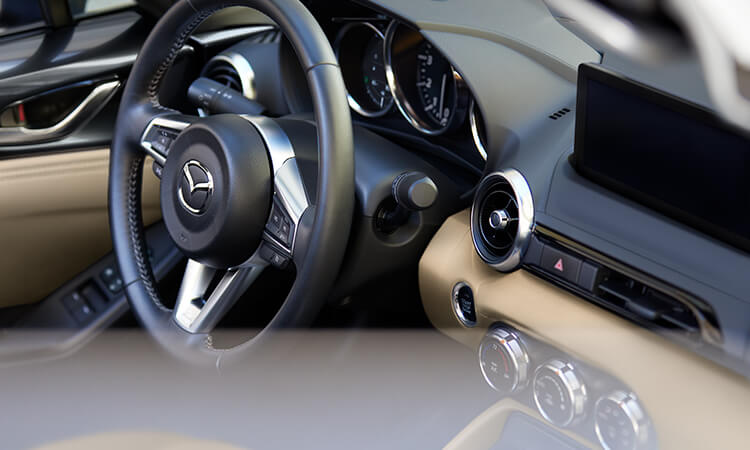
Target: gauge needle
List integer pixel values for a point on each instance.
(442, 96)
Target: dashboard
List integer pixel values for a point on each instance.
(489, 100)
(584, 236)
(399, 84)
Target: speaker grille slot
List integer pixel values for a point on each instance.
(559, 114)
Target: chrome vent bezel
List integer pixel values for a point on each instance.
(513, 183)
(239, 65)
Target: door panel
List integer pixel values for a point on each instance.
(53, 211)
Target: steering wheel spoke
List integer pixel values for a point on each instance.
(290, 197)
(160, 132)
(206, 294)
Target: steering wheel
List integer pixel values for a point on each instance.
(232, 195)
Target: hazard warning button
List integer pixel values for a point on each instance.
(561, 264)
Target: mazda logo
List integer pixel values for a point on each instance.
(195, 187)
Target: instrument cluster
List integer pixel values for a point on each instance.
(388, 65)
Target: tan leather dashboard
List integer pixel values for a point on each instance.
(692, 402)
(53, 220)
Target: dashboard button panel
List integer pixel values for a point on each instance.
(566, 392)
(561, 264)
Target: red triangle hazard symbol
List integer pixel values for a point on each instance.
(559, 265)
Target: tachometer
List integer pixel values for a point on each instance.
(435, 84)
(430, 94)
(359, 48)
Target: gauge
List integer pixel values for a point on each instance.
(559, 393)
(620, 423)
(503, 360)
(435, 85)
(360, 52)
(428, 91)
(478, 132)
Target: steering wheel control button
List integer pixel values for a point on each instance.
(161, 139)
(503, 360)
(561, 264)
(158, 169)
(280, 226)
(273, 256)
(559, 393)
(620, 422)
(216, 190)
(462, 299)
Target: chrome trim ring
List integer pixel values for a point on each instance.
(629, 405)
(402, 103)
(474, 126)
(243, 68)
(353, 104)
(566, 374)
(525, 202)
(457, 307)
(514, 349)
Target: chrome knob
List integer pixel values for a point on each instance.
(620, 422)
(559, 392)
(503, 360)
(499, 219)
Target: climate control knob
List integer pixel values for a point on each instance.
(559, 393)
(620, 422)
(503, 360)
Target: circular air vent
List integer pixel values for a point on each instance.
(226, 75)
(502, 218)
(232, 70)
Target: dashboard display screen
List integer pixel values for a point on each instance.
(664, 152)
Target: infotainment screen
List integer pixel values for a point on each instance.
(669, 154)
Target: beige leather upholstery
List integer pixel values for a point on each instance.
(692, 402)
(485, 430)
(53, 220)
(129, 440)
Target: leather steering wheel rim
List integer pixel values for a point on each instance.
(332, 212)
